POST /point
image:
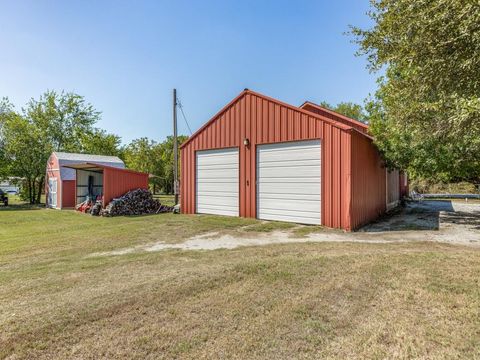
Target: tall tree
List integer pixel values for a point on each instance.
(155, 158)
(425, 113)
(145, 155)
(167, 158)
(349, 109)
(23, 148)
(352, 110)
(63, 118)
(54, 122)
(97, 141)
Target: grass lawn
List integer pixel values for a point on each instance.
(340, 300)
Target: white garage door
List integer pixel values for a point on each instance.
(217, 182)
(289, 182)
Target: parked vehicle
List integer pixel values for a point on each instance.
(3, 197)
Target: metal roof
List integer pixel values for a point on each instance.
(96, 167)
(87, 158)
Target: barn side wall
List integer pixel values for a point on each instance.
(368, 182)
(404, 188)
(117, 182)
(393, 188)
(263, 120)
(68, 193)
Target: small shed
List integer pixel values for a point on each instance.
(262, 158)
(61, 178)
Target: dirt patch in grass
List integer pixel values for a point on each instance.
(305, 230)
(268, 226)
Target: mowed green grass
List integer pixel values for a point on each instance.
(324, 300)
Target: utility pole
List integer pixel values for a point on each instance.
(175, 147)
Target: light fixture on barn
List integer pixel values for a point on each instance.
(246, 142)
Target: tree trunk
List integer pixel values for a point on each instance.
(29, 183)
(32, 200)
(40, 187)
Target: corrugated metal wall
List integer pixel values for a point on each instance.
(404, 188)
(68, 194)
(368, 181)
(117, 182)
(393, 188)
(264, 120)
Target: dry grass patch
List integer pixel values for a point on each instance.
(285, 301)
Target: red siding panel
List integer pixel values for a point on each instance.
(403, 185)
(393, 186)
(117, 182)
(368, 198)
(68, 199)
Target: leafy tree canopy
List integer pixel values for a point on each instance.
(349, 109)
(155, 158)
(425, 114)
(54, 122)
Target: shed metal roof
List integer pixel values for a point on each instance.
(87, 158)
(89, 166)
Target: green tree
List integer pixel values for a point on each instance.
(23, 148)
(154, 158)
(349, 109)
(6, 110)
(167, 158)
(97, 141)
(63, 118)
(55, 122)
(145, 155)
(425, 114)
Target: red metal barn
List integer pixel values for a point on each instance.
(60, 184)
(71, 177)
(261, 158)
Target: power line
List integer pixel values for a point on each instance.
(184, 117)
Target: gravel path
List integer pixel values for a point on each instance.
(438, 221)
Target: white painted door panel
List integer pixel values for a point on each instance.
(217, 177)
(289, 182)
(52, 192)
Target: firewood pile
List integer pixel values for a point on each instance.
(96, 208)
(135, 202)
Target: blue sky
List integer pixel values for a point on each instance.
(126, 56)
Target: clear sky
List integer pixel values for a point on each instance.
(126, 56)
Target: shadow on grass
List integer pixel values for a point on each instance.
(20, 207)
(421, 216)
(463, 218)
